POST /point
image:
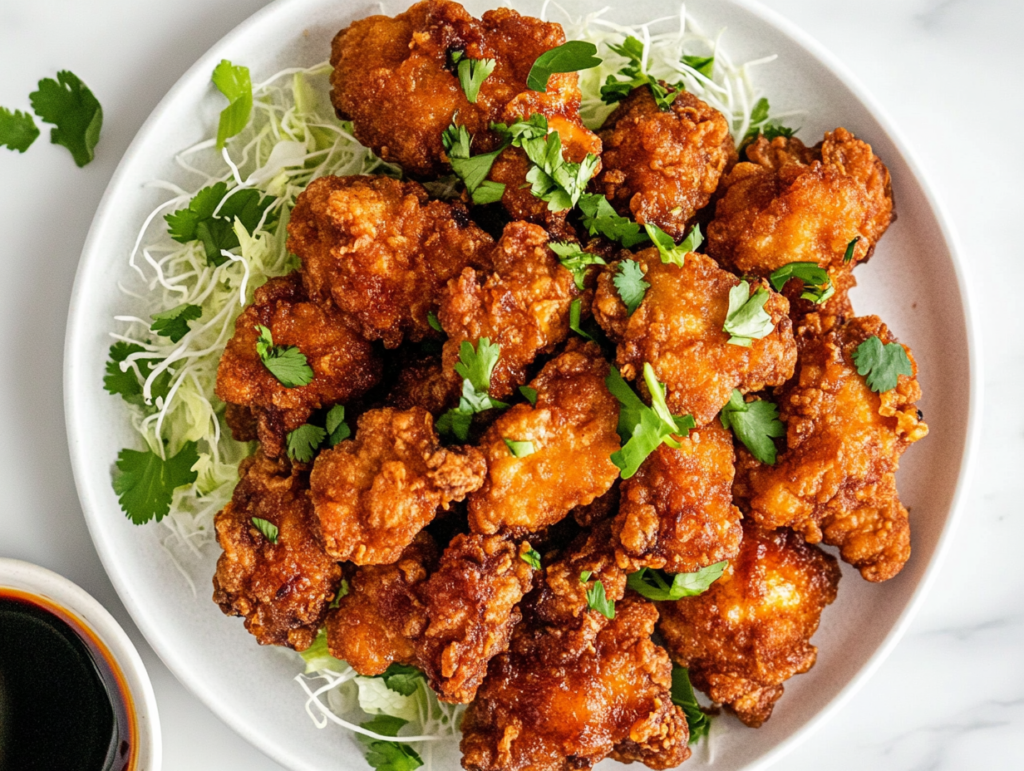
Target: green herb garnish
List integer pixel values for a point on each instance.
(629, 281)
(671, 254)
(572, 56)
(75, 112)
(234, 82)
(384, 755)
(304, 441)
(575, 260)
(755, 424)
(17, 129)
(472, 74)
(129, 385)
(173, 324)
(596, 597)
(599, 218)
(662, 587)
(475, 365)
(287, 363)
(337, 428)
(145, 482)
(472, 169)
(849, 249)
(881, 365)
(530, 394)
(615, 90)
(267, 528)
(746, 319)
(217, 233)
(531, 558)
(683, 696)
(817, 283)
(519, 449)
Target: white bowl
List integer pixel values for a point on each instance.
(51, 589)
(915, 282)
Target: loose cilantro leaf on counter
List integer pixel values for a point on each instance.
(659, 586)
(267, 528)
(234, 82)
(475, 365)
(384, 755)
(217, 233)
(755, 424)
(599, 218)
(401, 678)
(337, 428)
(146, 482)
(572, 56)
(304, 441)
(17, 129)
(472, 74)
(881, 364)
(849, 249)
(174, 323)
(615, 90)
(519, 449)
(629, 281)
(596, 597)
(126, 383)
(575, 260)
(671, 254)
(472, 169)
(746, 319)
(705, 65)
(683, 696)
(287, 363)
(72, 108)
(817, 283)
(575, 312)
(531, 558)
(529, 393)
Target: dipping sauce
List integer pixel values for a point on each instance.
(63, 699)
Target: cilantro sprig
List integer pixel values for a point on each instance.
(384, 755)
(234, 83)
(472, 74)
(572, 56)
(755, 424)
(17, 129)
(304, 441)
(472, 169)
(629, 281)
(128, 382)
(817, 283)
(683, 696)
(476, 366)
(74, 111)
(759, 124)
(173, 323)
(599, 218)
(216, 232)
(881, 365)
(662, 587)
(746, 319)
(145, 482)
(635, 76)
(402, 678)
(575, 260)
(596, 597)
(671, 253)
(287, 363)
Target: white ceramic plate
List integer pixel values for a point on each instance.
(915, 282)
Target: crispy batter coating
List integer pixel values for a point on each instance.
(374, 493)
(676, 511)
(678, 330)
(837, 479)
(663, 167)
(572, 429)
(380, 618)
(382, 251)
(751, 631)
(425, 384)
(282, 589)
(523, 306)
(542, 713)
(792, 203)
(471, 601)
(344, 365)
(393, 77)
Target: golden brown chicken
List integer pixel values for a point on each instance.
(344, 365)
(678, 330)
(424, 383)
(571, 434)
(374, 493)
(662, 167)
(523, 306)
(282, 586)
(676, 512)
(750, 632)
(836, 481)
(382, 251)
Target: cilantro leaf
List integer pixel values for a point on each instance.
(746, 319)
(384, 755)
(596, 597)
(472, 74)
(304, 441)
(69, 105)
(849, 249)
(146, 482)
(472, 169)
(475, 366)
(575, 312)
(759, 124)
(287, 363)
(401, 678)
(755, 424)
(817, 283)
(585, 576)
(653, 584)
(433, 321)
(615, 90)
(17, 129)
(217, 233)
(174, 323)
(629, 281)
(267, 528)
(575, 260)
(529, 393)
(572, 56)
(705, 65)
(671, 254)
(531, 558)
(881, 364)
(683, 696)
(519, 449)
(234, 82)
(337, 428)
(127, 383)
(488, 192)
(599, 218)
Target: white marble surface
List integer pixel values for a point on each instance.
(950, 697)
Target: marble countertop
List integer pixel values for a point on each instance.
(947, 71)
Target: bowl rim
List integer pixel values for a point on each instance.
(207, 695)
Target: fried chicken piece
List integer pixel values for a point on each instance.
(344, 365)
(572, 433)
(523, 306)
(751, 631)
(283, 587)
(676, 512)
(424, 384)
(791, 203)
(677, 329)
(837, 305)
(566, 713)
(374, 493)
(836, 481)
(379, 620)
(662, 167)
(471, 601)
(382, 251)
(395, 79)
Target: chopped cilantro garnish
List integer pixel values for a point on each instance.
(575, 312)
(705, 65)
(519, 449)
(683, 696)
(596, 597)
(661, 587)
(849, 249)
(575, 260)
(475, 365)
(472, 74)
(384, 755)
(615, 90)
(401, 678)
(234, 82)
(72, 108)
(17, 129)
(572, 56)
(531, 558)
(817, 284)
(755, 424)
(759, 123)
(746, 319)
(629, 281)
(585, 576)
(145, 482)
(433, 321)
(267, 528)
(126, 383)
(881, 364)
(671, 254)
(599, 218)
(174, 323)
(217, 233)
(529, 393)
(337, 428)
(287, 363)
(304, 441)
(472, 169)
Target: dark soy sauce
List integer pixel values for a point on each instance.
(63, 703)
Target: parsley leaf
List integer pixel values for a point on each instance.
(596, 597)
(683, 696)
(881, 364)
(287, 363)
(475, 366)
(653, 584)
(401, 678)
(472, 74)
(572, 56)
(755, 424)
(234, 82)
(529, 393)
(746, 319)
(174, 323)
(146, 482)
(849, 249)
(519, 449)
(705, 65)
(17, 129)
(267, 528)
(304, 441)
(127, 383)
(817, 283)
(69, 105)
(217, 233)
(615, 90)
(670, 253)
(575, 260)
(575, 312)
(599, 218)
(337, 428)
(384, 755)
(472, 169)
(531, 558)
(629, 281)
